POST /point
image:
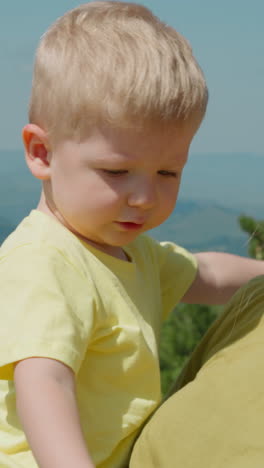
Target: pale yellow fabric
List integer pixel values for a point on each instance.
(215, 419)
(65, 300)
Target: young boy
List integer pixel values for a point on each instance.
(117, 97)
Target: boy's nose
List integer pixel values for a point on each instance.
(143, 195)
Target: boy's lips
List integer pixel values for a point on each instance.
(130, 225)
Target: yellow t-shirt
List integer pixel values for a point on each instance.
(215, 419)
(63, 299)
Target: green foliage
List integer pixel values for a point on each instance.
(180, 334)
(188, 323)
(255, 229)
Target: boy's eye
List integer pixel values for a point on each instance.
(168, 173)
(115, 172)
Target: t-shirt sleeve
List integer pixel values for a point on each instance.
(47, 308)
(178, 269)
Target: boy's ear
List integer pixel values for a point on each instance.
(36, 151)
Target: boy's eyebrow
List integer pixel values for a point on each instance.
(117, 156)
(124, 159)
(114, 158)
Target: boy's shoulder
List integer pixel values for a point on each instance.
(145, 242)
(162, 251)
(35, 228)
(38, 235)
(169, 260)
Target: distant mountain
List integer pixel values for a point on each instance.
(195, 226)
(202, 226)
(19, 191)
(215, 190)
(230, 179)
(5, 228)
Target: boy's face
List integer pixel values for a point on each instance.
(116, 184)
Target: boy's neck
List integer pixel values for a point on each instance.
(113, 251)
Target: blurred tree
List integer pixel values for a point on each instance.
(180, 334)
(255, 229)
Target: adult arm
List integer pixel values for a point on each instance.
(219, 275)
(47, 408)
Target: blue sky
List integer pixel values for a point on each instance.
(227, 38)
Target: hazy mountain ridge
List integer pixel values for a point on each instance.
(216, 189)
(199, 226)
(5, 228)
(195, 226)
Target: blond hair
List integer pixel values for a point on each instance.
(115, 63)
